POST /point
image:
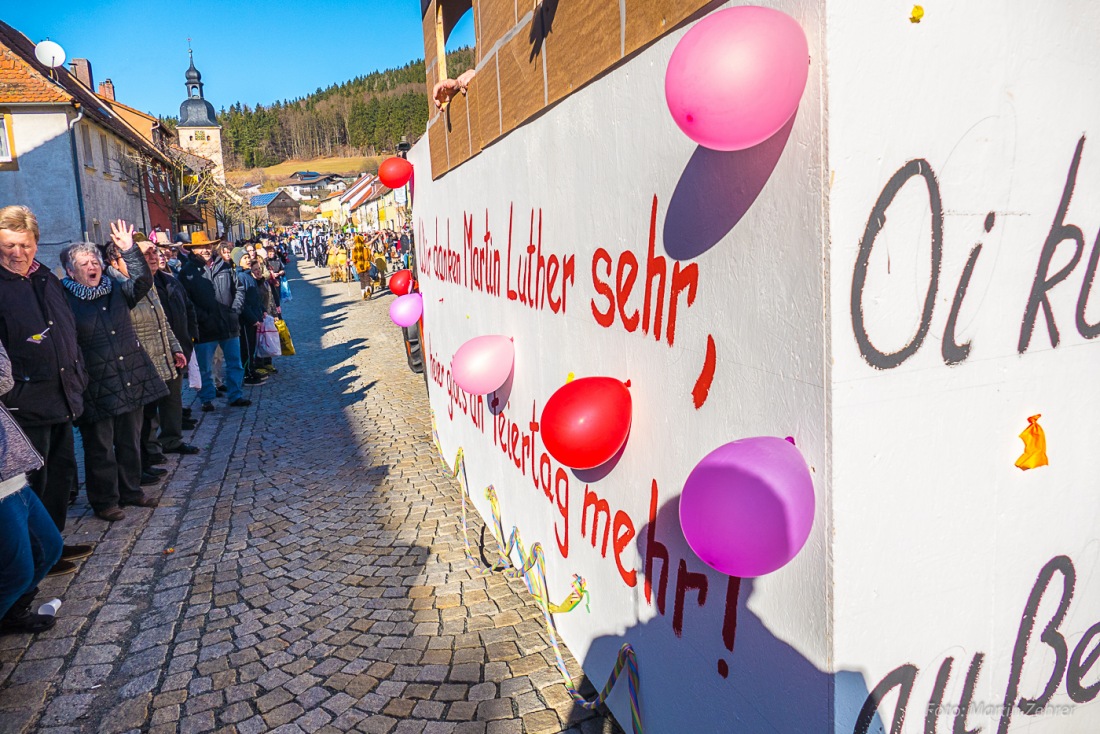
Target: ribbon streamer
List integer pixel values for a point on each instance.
(537, 585)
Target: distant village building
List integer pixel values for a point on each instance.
(277, 207)
(304, 185)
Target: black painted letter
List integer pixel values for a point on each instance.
(1059, 232)
(1051, 636)
(871, 355)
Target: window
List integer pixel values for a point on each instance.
(7, 139)
(106, 155)
(86, 136)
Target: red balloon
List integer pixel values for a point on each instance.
(586, 422)
(401, 282)
(395, 172)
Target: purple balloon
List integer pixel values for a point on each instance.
(482, 365)
(406, 310)
(747, 507)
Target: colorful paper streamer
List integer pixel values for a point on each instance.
(538, 586)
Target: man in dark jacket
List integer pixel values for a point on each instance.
(166, 413)
(39, 332)
(218, 300)
(252, 315)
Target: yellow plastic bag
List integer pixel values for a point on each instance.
(284, 338)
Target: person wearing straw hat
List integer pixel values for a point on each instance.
(218, 300)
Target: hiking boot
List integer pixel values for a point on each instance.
(75, 552)
(61, 568)
(111, 514)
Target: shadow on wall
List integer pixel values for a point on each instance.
(763, 685)
(715, 191)
(45, 182)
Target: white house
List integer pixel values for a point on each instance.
(66, 154)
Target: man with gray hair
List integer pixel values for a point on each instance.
(39, 333)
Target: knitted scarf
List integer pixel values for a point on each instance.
(85, 293)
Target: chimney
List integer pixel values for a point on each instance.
(107, 90)
(82, 70)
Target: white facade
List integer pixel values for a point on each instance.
(42, 177)
(806, 263)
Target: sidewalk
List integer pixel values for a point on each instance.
(305, 573)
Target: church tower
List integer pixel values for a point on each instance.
(199, 131)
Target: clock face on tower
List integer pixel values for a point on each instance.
(200, 135)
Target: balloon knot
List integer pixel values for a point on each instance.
(791, 439)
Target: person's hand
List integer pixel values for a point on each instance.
(443, 92)
(122, 234)
(181, 360)
(465, 78)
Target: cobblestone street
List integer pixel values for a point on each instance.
(305, 573)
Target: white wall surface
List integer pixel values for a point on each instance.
(45, 181)
(939, 539)
(581, 180)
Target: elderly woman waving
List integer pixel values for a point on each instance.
(122, 378)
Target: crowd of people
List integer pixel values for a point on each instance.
(105, 350)
(362, 257)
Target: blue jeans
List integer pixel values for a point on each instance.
(30, 545)
(234, 372)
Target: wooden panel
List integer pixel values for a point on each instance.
(430, 53)
(522, 91)
(437, 140)
(582, 39)
(458, 130)
(648, 20)
(488, 103)
(497, 18)
(473, 104)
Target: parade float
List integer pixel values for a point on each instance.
(733, 320)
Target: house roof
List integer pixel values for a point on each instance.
(362, 191)
(24, 79)
(263, 199)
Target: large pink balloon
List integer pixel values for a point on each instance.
(482, 365)
(406, 310)
(747, 507)
(736, 78)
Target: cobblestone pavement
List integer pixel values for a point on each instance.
(304, 574)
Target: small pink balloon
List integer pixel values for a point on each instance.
(736, 78)
(747, 507)
(406, 310)
(482, 365)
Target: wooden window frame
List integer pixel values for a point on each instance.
(7, 129)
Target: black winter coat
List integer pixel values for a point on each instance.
(253, 311)
(122, 378)
(217, 297)
(178, 309)
(49, 373)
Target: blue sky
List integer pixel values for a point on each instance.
(247, 51)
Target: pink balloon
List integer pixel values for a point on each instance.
(482, 365)
(736, 78)
(747, 507)
(406, 310)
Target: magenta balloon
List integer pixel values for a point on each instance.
(736, 78)
(406, 310)
(482, 365)
(747, 507)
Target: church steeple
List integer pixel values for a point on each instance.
(194, 78)
(195, 110)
